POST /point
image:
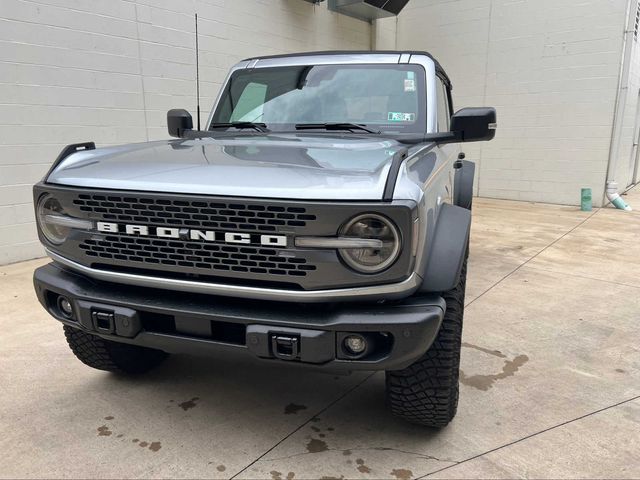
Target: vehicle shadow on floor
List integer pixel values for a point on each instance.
(242, 390)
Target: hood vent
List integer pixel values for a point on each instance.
(368, 10)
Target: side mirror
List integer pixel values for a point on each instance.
(179, 121)
(474, 124)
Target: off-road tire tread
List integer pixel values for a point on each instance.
(426, 392)
(110, 356)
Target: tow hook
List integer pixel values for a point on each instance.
(291, 344)
(285, 347)
(103, 321)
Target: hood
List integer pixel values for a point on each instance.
(290, 166)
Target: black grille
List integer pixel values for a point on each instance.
(200, 240)
(192, 213)
(204, 258)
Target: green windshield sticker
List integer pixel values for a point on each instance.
(401, 117)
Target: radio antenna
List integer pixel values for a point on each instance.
(197, 76)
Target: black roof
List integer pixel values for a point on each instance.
(439, 69)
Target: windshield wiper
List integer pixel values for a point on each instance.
(260, 127)
(334, 126)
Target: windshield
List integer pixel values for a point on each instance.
(387, 98)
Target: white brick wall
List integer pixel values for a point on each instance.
(551, 69)
(108, 71)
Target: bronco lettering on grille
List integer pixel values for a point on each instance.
(192, 234)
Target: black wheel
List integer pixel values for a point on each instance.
(426, 392)
(111, 356)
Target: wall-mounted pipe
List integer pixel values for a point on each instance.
(621, 94)
(615, 198)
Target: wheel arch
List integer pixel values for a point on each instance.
(447, 250)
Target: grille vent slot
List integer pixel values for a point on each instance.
(193, 214)
(203, 258)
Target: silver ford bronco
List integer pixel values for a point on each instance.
(320, 218)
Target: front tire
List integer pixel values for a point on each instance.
(102, 354)
(426, 392)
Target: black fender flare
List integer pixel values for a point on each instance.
(463, 184)
(447, 249)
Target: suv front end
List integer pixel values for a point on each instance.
(322, 219)
(272, 254)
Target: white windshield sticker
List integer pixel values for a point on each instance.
(401, 117)
(409, 85)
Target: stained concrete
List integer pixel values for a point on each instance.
(550, 380)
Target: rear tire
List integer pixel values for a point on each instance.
(117, 357)
(427, 391)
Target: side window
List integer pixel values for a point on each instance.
(250, 103)
(444, 115)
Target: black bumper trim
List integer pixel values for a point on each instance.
(407, 328)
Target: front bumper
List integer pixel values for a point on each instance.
(396, 333)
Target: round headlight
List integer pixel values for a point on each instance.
(54, 232)
(373, 259)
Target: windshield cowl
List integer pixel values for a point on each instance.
(349, 127)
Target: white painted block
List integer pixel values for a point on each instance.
(108, 71)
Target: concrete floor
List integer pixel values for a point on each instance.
(550, 373)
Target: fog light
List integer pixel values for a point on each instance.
(355, 344)
(65, 306)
